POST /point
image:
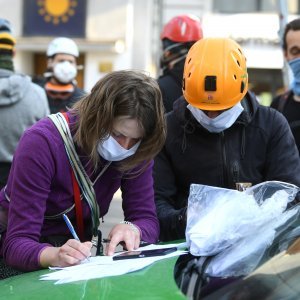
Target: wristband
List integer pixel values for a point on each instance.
(133, 227)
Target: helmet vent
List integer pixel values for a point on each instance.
(210, 83)
(189, 60)
(238, 63)
(242, 86)
(234, 76)
(190, 74)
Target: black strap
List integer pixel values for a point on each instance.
(282, 101)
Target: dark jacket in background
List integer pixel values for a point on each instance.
(62, 105)
(170, 84)
(290, 108)
(59, 105)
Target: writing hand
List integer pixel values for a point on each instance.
(69, 254)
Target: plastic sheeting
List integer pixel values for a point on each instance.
(235, 228)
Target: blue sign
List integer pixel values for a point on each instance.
(54, 18)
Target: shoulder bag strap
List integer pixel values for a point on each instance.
(77, 200)
(282, 101)
(82, 178)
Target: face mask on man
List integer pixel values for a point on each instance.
(111, 150)
(64, 71)
(219, 123)
(295, 67)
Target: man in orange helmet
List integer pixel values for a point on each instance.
(218, 134)
(177, 37)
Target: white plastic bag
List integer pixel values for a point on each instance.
(237, 225)
(243, 257)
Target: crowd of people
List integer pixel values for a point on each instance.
(65, 151)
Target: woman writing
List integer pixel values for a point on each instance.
(114, 132)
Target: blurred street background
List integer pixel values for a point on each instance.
(124, 34)
(114, 215)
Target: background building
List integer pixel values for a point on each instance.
(124, 34)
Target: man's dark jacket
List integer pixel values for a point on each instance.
(258, 147)
(59, 105)
(170, 84)
(290, 108)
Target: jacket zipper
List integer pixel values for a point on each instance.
(225, 175)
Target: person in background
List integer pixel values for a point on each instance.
(218, 134)
(59, 82)
(115, 132)
(177, 37)
(22, 102)
(288, 103)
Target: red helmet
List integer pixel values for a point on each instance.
(183, 29)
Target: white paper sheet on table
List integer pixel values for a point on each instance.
(104, 266)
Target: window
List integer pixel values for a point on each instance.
(250, 6)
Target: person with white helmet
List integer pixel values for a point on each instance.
(218, 134)
(177, 37)
(60, 84)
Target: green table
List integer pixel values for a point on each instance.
(154, 282)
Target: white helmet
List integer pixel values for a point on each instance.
(62, 45)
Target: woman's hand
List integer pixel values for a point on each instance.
(129, 234)
(69, 254)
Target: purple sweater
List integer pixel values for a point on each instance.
(40, 184)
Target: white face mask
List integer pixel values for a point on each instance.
(64, 71)
(111, 150)
(221, 122)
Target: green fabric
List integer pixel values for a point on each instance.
(153, 282)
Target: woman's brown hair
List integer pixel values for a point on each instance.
(121, 93)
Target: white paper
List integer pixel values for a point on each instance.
(104, 266)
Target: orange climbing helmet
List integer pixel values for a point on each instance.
(183, 29)
(215, 74)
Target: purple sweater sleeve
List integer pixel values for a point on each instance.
(29, 181)
(138, 204)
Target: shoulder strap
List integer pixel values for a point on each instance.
(77, 198)
(78, 206)
(82, 178)
(282, 101)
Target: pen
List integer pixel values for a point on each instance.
(71, 228)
